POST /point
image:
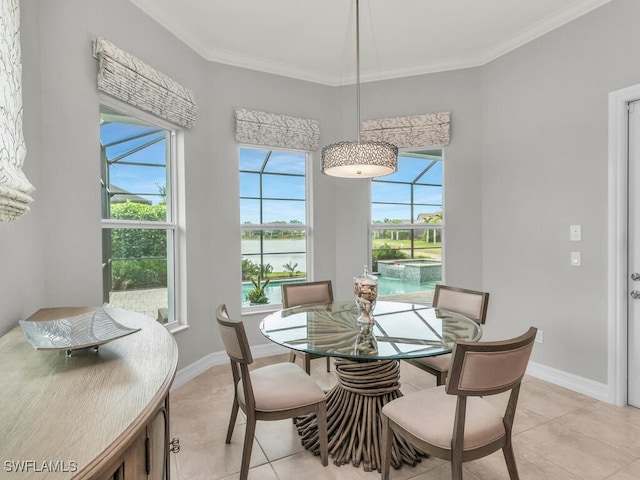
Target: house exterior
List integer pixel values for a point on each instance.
(527, 158)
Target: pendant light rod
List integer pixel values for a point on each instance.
(358, 65)
(362, 158)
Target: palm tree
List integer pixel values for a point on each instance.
(436, 218)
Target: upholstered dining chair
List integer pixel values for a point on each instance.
(309, 293)
(274, 392)
(454, 422)
(470, 303)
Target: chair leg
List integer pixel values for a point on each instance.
(328, 364)
(232, 420)
(307, 363)
(456, 469)
(441, 378)
(510, 458)
(385, 447)
(322, 433)
(292, 356)
(248, 445)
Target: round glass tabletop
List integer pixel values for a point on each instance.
(401, 330)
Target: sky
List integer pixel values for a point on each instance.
(391, 200)
(283, 186)
(146, 179)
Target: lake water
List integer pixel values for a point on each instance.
(277, 252)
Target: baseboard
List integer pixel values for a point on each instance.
(220, 358)
(585, 386)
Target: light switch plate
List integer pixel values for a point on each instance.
(575, 233)
(576, 259)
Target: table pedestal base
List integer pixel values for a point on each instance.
(353, 416)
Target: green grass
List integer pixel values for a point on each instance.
(423, 249)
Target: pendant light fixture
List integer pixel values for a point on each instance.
(359, 159)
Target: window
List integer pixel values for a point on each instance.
(407, 223)
(273, 222)
(139, 214)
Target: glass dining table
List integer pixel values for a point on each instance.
(367, 367)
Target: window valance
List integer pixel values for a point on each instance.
(425, 130)
(273, 130)
(131, 80)
(14, 186)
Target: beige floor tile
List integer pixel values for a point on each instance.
(204, 455)
(549, 400)
(584, 457)
(426, 465)
(441, 472)
(262, 472)
(531, 466)
(558, 434)
(309, 467)
(278, 439)
(630, 472)
(605, 426)
(629, 414)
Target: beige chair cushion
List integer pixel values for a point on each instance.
(430, 414)
(282, 386)
(440, 362)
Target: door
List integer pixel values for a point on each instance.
(633, 319)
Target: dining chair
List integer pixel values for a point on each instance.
(470, 303)
(274, 392)
(455, 422)
(309, 293)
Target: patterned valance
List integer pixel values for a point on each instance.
(273, 130)
(426, 130)
(133, 81)
(14, 186)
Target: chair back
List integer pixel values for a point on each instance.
(233, 336)
(488, 368)
(309, 293)
(471, 303)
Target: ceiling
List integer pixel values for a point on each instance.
(314, 40)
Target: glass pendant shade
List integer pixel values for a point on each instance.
(364, 159)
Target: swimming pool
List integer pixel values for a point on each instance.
(386, 286)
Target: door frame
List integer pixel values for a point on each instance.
(617, 242)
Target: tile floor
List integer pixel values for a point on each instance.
(558, 435)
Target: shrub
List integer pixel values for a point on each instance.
(386, 252)
(138, 256)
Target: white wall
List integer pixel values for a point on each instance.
(527, 159)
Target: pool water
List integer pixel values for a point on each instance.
(386, 286)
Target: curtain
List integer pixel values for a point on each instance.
(129, 79)
(14, 186)
(274, 130)
(425, 130)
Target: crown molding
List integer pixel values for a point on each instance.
(227, 57)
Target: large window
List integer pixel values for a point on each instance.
(273, 221)
(139, 214)
(407, 223)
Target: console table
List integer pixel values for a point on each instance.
(97, 414)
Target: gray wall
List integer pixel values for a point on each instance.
(544, 168)
(528, 157)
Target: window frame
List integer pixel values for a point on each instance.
(306, 227)
(176, 254)
(412, 227)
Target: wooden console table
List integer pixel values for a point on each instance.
(93, 415)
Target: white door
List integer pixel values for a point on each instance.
(633, 394)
